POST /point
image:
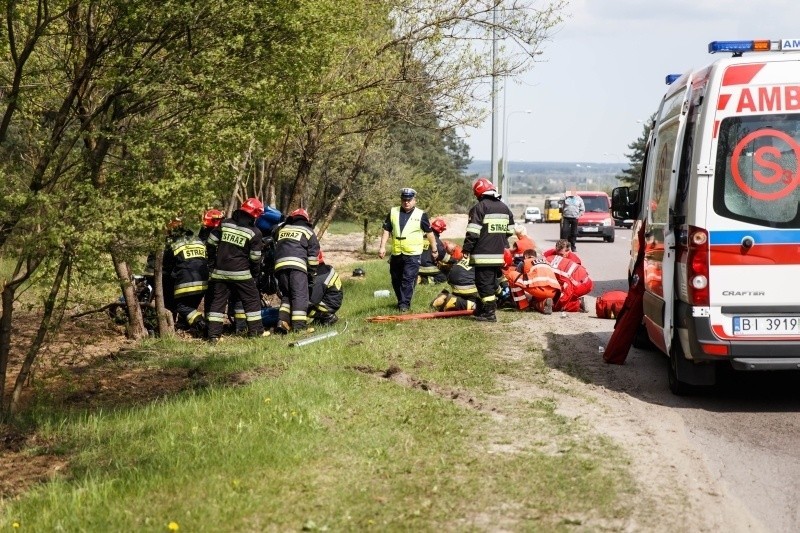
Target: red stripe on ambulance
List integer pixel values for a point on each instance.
(761, 254)
(741, 74)
(723, 101)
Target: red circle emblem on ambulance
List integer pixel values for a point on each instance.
(770, 170)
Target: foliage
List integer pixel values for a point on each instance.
(632, 174)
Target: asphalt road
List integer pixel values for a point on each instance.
(746, 427)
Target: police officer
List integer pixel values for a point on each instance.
(296, 260)
(488, 228)
(408, 227)
(234, 256)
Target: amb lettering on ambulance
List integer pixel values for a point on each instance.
(719, 205)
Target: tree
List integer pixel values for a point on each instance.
(633, 173)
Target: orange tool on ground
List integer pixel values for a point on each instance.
(419, 316)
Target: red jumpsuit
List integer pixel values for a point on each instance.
(574, 280)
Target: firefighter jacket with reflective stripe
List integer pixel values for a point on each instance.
(234, 248)
(296, 246)
(462, 280)
(326, 295)
(185, 260)
(488, 228)
(427, 266)
(408, 239)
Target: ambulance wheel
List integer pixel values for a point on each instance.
(676, 385)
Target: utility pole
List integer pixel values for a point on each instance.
(495, 110)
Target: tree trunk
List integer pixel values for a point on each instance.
(166, 325)
(309, 153)
(135, 328)
(323, 226)
(240, 173)
(366, 235)
(44, 327)
(22, 272)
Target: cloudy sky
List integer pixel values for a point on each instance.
(604, 71)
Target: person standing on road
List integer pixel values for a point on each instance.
(488, 228)
(408, 227)
(573, 209)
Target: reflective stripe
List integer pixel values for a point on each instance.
(216, 317)
(291, 262)
(190, 288)
(231, 275)
(487, 299)
(486, 259)
(474, 229)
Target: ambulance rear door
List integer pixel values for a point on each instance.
(659, 201)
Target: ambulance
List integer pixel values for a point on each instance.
(719, 206)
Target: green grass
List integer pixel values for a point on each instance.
(320, 441)
(342, 227)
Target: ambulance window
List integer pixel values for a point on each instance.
(757, 173)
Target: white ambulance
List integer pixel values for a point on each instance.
(719, 205)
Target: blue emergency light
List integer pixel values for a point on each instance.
(739, 47)
(671, 78)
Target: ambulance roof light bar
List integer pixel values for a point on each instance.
(737, 48)
(672, 77)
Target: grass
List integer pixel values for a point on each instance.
(320, 441)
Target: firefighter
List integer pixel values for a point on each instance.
(409, 227)
(211, 219)
(185, 261)
(488, 229)
(326, 294)
(234, 256)
(296, 252)
(429, 271)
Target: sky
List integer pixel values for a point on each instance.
(602, 72)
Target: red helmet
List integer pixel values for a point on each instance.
(320, 258)
(438, 225)
(253, 207)
(482, 186)
(508, 259)
(213, 218)
(299, 213)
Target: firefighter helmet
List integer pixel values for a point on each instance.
(253, 207)
(482, 186)
(508, 259)
(320, 258)
(213, 218)
(301, 213)
(438, 225)
(359, 273)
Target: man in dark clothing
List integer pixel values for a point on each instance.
(296, 251)
(185, 261)
(234, 256)
(408, 227)
(489, 225)
(571, 212)
(326, 294)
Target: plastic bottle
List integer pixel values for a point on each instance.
(601, 350)
(563, 314)
(383, 293)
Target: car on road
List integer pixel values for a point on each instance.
(532, 214)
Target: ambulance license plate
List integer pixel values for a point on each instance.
(589, 229)
(766, 325)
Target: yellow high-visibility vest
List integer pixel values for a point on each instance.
(410, 240)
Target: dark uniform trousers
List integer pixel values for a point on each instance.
(404, 270)
(486, 280)
(571, 231)
(293, 286)
(243, 290)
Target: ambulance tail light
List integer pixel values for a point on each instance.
(697, 266)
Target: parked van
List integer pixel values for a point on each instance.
(596, 221)
(552, 208)
(719, 204)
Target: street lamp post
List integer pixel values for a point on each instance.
(504, 190)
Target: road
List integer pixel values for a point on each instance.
(744, 432)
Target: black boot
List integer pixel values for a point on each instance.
(487, 313)
(199, 327)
